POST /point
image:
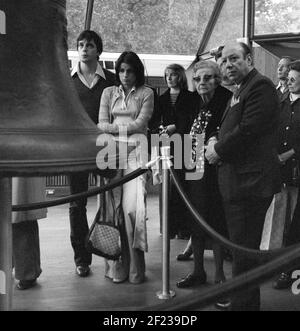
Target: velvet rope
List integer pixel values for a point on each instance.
(247, 280)
(263, 256)
(74, 197)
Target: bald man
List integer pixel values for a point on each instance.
(248, 171)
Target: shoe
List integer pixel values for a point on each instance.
(223, 305)
(283, 282)
(119, 281)
(26, 284)
(191, 280)
(184, 256)
(137, 281)
(82, 271)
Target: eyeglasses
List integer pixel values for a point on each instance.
(292, 80)
(205, 79)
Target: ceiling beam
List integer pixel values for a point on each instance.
(210, 26)
(89, 14)
(249, 19)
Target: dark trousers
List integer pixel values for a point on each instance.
(78, 219)
(177, 210)
(245, 220)
(26, 250)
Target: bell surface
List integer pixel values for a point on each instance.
(43, 126)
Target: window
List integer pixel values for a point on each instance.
(277, 16)
(76, 10)
(152, 26)
(229, 25)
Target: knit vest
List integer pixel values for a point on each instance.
(90, 98)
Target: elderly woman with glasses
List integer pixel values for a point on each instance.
(203, 192)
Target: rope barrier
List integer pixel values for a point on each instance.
(287, 259)
(264, 256)
(249, 279)
(74, 197)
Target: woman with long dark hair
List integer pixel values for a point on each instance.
(129, 107)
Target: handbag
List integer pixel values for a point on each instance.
(104, 238)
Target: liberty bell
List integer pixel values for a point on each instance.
(43, 127)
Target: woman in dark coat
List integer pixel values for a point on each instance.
(174, 109)
(285, 222)
(204, 194)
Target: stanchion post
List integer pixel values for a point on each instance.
(5, 245)
(166, 293)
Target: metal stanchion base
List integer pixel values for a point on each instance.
(165, 296)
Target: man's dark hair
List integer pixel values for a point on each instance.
(134, 61)
(90, 35)
(295, 65)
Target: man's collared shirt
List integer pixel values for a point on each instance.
(99, 73)
(125, 98)
(281, 87)
(294, 97)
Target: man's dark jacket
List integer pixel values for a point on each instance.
(249, 164)
(289, 138)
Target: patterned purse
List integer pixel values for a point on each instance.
(104, 238)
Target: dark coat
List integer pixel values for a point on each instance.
(204, 193)
(289, 137)
(283, 95)
(247, 142)
(181, 114)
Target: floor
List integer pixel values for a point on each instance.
(59, 288)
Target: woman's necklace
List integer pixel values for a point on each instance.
(197, 134)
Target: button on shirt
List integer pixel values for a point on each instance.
(289, 124)
(294, 97)
(289, 135)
